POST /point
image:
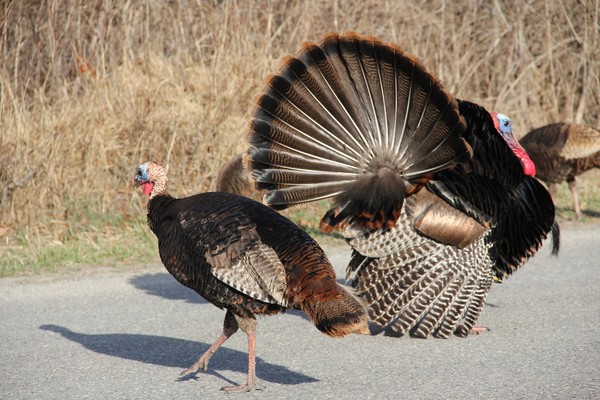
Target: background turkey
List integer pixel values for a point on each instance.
(232, 177)
(357, 120)
(246, 258)
(561, 152)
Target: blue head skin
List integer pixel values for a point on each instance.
(141, 175)
(152, 178)
(504, 127)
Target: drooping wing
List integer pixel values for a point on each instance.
(229, 241)
(582, 142)
(414, 283)
(569, 141)
(496, 192)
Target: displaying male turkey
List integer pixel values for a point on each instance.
(246, 258)
(561, 152)
(434, 195)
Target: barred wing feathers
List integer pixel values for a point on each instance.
(237, 255)
(425, 287)
(258, 253)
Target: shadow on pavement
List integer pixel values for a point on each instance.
(180, 353)
(164, 285)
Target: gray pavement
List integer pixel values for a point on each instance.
(127, 335)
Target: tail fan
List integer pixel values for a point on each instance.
(356, 119)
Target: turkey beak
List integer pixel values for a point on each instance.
(139, 178)
(518, 150)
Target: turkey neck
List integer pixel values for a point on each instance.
(157, 210)
(489, 147)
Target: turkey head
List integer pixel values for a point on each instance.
(504, 127)
(152, 178)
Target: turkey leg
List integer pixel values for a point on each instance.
(552, 191)
(573, 187)
(248, 325)
(230, 326)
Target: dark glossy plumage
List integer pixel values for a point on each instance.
(246, 258)
(357, 120)
(239, 254)
(562, 151)
(517, 207)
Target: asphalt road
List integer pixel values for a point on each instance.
(127, 335)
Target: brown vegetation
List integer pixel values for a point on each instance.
(89, 89)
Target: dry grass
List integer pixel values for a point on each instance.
(89, 89)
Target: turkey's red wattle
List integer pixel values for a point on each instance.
(528, 166)
(526, 162)
(147, 188)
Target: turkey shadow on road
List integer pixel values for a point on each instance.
(164, 285)
(179, 353)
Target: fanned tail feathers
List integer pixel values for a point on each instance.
(356, 119)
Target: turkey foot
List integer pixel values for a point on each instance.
(248, 325)
(463, 331)
(230, 327)
(248, 387)
(476, 330)
(202, 363)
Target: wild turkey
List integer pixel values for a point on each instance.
(357, 120)
(561, 152)
(233, 178)
(246, 258)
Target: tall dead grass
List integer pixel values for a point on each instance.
(89, 89)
